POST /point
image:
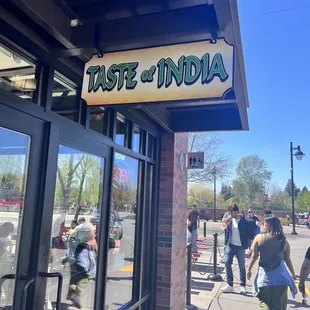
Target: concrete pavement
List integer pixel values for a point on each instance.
(206, 295)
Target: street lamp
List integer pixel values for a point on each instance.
(298, 154)
(214, 194)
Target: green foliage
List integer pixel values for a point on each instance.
(252, 177)
(226, 192)
(284, 221)
(200, 195)
(288, 188)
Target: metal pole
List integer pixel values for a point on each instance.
(215, 254)
(293, 188)
(214, 197)
(189, 275)
(214, 276)
(205, 229)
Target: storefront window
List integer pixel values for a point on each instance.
(96, 120)
(76, 219)
(123, 228)
(17, 75)
(63, 97)
(151, 146)
(121, 130)
(14, 155)
(136, 139)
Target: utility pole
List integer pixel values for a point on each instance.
(214, 194)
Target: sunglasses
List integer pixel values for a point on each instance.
(250, 212)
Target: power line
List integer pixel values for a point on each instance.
(281, 31)
(279, 11)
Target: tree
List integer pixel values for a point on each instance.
(83, 169)
(288, 188)
(209, 144)
(226, 191)
(305, 189)
(199, 195)
(279, 200)
(66, 168)
(252, 177)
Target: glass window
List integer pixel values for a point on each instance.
(63, 96)
(123, 228)
(76, 219)
(17, 75)
(151, 146)
(121, 130)
(14, 154)
(96, 120)
(136, 139)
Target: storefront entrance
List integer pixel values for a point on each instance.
(36, 244)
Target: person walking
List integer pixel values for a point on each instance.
(194, 217)
(254, 229)
(304, 273)
(226, 217)
(273, 278)
(192, 237)
(236, 242)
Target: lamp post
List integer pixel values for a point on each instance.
(214, 194)
(298, 154)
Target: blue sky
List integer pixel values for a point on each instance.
(276, 49)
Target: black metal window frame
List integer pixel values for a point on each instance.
(43, 111)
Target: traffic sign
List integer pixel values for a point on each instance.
(195, 160)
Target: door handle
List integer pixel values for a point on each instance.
(25, 292)
(59, 288)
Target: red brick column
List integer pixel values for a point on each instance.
(171, 280)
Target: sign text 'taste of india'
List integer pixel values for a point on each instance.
(189, 71)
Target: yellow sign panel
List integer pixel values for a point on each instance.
(199, 70)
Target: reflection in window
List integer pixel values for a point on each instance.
(96, 119)
(63, 97)
(14, 152)
(76, 220)
(17, 75)
(136, 139)
(123, 227)
(121, 130)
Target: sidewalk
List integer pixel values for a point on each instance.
(206, 295)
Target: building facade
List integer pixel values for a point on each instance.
(94, 161)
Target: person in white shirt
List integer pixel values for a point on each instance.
(236, 242)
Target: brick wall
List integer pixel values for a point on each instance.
(171, 280)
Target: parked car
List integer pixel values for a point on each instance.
(116, 229)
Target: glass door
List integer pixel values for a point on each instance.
(77, 226)
(21, 152)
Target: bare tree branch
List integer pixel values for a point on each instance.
(209, 144)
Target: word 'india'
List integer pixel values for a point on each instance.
(188, 71)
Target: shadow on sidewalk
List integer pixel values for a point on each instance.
(202, 286)
(292, 304)
(204, 268)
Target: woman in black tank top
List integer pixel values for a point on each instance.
(273, 278)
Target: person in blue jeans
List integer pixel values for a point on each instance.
(236, 241)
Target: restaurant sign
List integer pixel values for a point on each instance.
(190, 71)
